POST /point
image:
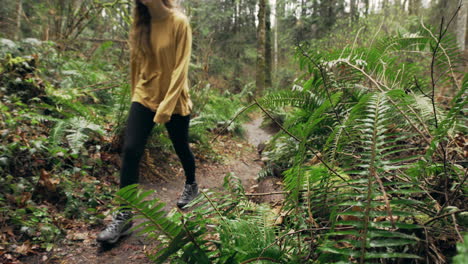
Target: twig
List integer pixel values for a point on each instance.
(265, 194)
(325, 83)
(419, 87)
(301, 231)
(452, 196)
(286, 131)
(260, 258)
(311, 216)
(427, 243)
(286, 192)
(189, 233)
(232, 120)
(455, 225)
(291, 135)
(214, 207)
(394, 103)
(445, 53)
(442, 32)
(444, 215)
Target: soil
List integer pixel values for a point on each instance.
(239, 156)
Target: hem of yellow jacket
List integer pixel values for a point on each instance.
(178, 109)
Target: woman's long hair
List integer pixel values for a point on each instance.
(140, 46)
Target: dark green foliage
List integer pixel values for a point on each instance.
(223, 228)
(374, 124)
(51, 151)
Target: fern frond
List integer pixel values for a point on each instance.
(174, 237)
(378, 143)
(78, 131)
(303, 99)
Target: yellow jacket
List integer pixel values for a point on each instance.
(160, 82)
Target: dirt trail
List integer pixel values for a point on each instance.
(240, 157)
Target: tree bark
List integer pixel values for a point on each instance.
(275, 45)
(414, 7)
(19, 11)
(328, 13)
(353, 11)
(461, 25)
(260, 72)
(366, 10)
(268, 80)
(303, 9)
(280, 12)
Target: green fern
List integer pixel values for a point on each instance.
(174, 236)
(370, 198)
(188, 238)
(76, 131)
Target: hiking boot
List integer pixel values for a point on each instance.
(120, 226)
(190, 192)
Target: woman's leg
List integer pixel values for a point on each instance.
(178, 128)
(139, 126)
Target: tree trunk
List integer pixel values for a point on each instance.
(366, 10)
(404, 5)
(260, 72)
(353, 12)
(341, 8)
(414, 7)
(384, 4)
(268, 80)
(303, 8)
(19, 11)
(461, 25)
(280, 9)
(237, 48)
(328, 13)
(275, 45)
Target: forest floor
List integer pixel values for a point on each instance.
(238, 156)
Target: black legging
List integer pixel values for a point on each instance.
(139, 126)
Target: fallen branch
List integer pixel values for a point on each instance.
(232, 120)
(265, 194)
(444, 215)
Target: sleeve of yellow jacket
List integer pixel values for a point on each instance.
(179, 74)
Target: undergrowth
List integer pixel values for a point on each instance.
(372, 165)
(62, 120)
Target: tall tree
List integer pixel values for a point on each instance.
(19, 11)
(328, 13)
(414, 7)
(398, 3)
(354, 10)
(366, 7)
(268, 80)
(275, 40)
(280, 9)
(260, 72)
(461, 25)
(303, 8)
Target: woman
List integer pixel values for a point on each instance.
(160, 48)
